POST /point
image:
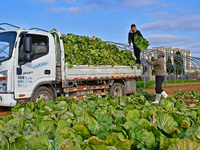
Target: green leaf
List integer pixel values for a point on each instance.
(46, 126)
(141, 42)
(61, 124)
(185, 144)
(166, 104)
(133, 115)
(7, 118)
(111, 148)
(66, 145)
(166, 142)
(4, 144)
(113, 140)
(167, 123)
(19, 144)
(95, 144)
(193, 132)
(31, 139)
(90, 122)
(82, 130)
(185, 97)
(42, 143)
(17, 107)
(29, 107)
(145, 138)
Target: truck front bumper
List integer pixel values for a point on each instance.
(7, 100)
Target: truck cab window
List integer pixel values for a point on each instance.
(7, 41)
(40, 47)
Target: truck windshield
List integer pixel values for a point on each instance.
(7, 40)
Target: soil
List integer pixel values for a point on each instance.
(4, 111)
(171, 90)
(187, 88)
(178, 84)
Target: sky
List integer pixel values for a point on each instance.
(170, 23)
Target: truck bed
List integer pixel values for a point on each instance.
(84, 72)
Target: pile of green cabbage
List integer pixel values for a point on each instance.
(82, 50)
(102, 123)
(141, 43)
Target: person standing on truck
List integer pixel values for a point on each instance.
(159, 72)
(131, 36)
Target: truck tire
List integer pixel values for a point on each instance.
(42, 93)
(117, 89)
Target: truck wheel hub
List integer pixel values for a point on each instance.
(118, 92)
(42, 96)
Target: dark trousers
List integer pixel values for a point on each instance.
(137, 52)
(159, 81)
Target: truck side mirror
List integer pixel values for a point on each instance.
(19, 71)
(27, 44)
(27, 58)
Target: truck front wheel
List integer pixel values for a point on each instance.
(42, 93)
(117, 89)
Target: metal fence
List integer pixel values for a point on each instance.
(180, 71)
(187, 68)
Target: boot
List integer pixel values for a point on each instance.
(164, 94)
(158, 97)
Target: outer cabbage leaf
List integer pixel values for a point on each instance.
(90, 122)
(167, 123)
(82, 130)
(145, 139)
(66, 145)
(166, 142)
(114, 140)
(42, 143)
(46, 126)
(193, 133)
(19, 144)
(95, 144)
(4, 144)
(185, 144)
(133, 115)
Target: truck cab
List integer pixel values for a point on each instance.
(27, 60)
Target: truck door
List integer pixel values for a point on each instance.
(39, 70)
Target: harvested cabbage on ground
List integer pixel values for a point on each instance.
(103, 123)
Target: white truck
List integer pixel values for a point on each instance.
(32, 67)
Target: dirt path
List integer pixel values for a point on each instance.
(171, 90)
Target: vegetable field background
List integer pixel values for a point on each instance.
(111, 123)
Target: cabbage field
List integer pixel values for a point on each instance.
(104, 123)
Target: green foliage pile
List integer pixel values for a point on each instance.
(141, 43)
(96, 123)
(82, 50)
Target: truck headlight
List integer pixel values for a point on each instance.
(3, 81)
